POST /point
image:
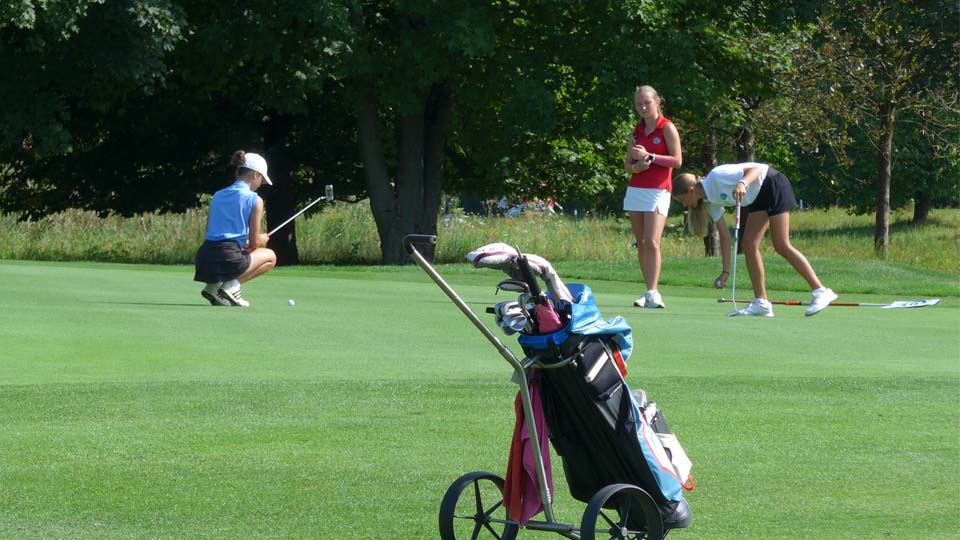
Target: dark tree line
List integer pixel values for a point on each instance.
(135, 105)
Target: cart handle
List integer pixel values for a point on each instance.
(505, 352)
(411, 239)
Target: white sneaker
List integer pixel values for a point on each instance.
(232, 294)
(640, 302)
(758, 308)
(822, 298)
(210, 294)
(653, 300)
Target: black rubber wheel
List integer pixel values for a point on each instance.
(621, 512)
(472, 509)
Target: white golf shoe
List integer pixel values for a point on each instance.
(230, 292)
(654, 300)
(822, 298)
(758, 308)
(210, 293)
(650, 299)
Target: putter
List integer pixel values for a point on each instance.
(736, 247)
(891, 305)
(328, 196)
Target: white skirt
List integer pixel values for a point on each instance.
(647, 200)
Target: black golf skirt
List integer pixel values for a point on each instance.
(220, 261)
(776, 195)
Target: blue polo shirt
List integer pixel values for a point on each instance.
(230, 211)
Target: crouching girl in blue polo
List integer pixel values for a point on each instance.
(234, 249)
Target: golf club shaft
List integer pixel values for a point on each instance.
(736, 246)
(295, 216)
(802, 303)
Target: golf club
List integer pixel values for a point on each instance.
(328, 196)
(736, 248)
(545, 319)
(524, 299)
(513, 285)
(891, 305)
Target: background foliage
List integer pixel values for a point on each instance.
(134, 106)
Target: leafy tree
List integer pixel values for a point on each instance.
(514, 90)
(238, 75)
(872, 62)
(77, 56)
(76, 62)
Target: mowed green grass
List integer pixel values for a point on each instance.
(130, 409)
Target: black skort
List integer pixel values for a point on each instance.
(220, 261)
(776, 195)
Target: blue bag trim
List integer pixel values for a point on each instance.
(585, 320)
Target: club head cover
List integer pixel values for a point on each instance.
(555, 285)
(502, 256)
(497, 255)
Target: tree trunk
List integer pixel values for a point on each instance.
(881, 231)
(382, 200)
(746, 145)
(708, 155)
(410, 203)
(280, 198)
(437, 120)
(921, 207)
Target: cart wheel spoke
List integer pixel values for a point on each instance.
(621, 512)
(472, 509)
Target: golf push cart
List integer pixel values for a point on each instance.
(618, 453)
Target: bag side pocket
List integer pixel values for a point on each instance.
(595, 364)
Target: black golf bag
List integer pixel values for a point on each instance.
(596, 425)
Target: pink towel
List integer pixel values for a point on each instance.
(547, 319)
(521, 494)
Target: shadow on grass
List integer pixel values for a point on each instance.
(157, 304)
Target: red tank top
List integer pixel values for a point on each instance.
(655, 177)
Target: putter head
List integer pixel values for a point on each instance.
(733, 313)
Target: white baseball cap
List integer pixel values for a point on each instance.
(255, 162)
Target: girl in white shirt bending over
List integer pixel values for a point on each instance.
(767, 197)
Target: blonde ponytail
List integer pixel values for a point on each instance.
(697, 217)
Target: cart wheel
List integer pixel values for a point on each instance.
(621, 512)
(472, 509)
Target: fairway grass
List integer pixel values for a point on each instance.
(130, 409)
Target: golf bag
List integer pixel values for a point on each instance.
(596, 424)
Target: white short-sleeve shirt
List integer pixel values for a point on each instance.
(719, 183)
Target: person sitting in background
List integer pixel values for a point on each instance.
(233, 251)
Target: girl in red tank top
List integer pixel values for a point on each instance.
(650, 160)
(656, 177)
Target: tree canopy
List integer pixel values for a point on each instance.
(135, 105)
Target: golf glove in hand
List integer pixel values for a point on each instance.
(510, 317)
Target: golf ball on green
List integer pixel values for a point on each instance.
(290, 302)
